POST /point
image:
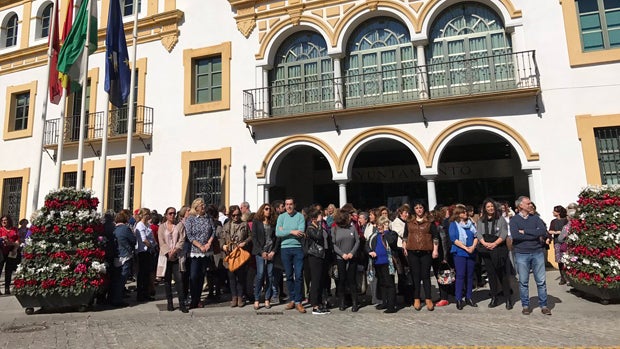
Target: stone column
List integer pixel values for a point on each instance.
(421, 73)
(432, 194)
(342, 192)
(338, 83)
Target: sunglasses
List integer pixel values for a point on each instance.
(267, 209)
(235, 215)
(171, 213)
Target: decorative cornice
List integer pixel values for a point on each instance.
(162, 26)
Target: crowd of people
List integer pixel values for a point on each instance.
(375, 252)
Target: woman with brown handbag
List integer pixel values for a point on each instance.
(236, 234)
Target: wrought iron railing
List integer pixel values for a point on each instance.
(117, 125)
(439, 79)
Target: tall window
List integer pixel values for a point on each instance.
(11, 31)
(69, 179)
(22, 105)
(74, 133)
(380, 63)
(302, 77)
(608, 151)
(46, 21)
(469, 51)
(12, 197)
(599, 23)
(119, 115)
(128, 7)
(207, 79)
(206, 181)
(116, 188)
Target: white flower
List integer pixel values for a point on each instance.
(66, 214)
(586, 261)
(596, 265)
(573, 237)
(99, 267)
(64, 267)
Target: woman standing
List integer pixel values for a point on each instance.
(555, 228)
(171, 240)
(420, 246)
(492, 234)
(463, 236)
(263, 249)
(444, 260)
(9, 240)
(316, 259)
(200, 230)
(381, 246)
(236, 234)
(346, 242)
(125, 244)
(146, 248)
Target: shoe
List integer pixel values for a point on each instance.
(545, 311)
(325, 310)
(240, 302)
(290, 305)
(120, 305)
(355, 308)
(343, 305)
(429, 305)
(416, 304)
(389, 311)
(381, 306)
(526, 311)
(318, 311)
(256, 305)
(183, 308)
(267, 305)
(442, 303)
(233, 302)
(300, 308)
(493, 303)
(170, 306)
(471, 303)
(509, 304)
(460, 305)
(562, 282)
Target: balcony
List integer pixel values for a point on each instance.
(498, 76)
(117, 126)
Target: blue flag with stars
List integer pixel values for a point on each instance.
(117, 71)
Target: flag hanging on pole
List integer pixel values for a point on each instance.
(70, 56)
(54, 42)
(64, 79)
(117, 71)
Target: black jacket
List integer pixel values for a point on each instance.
(259, 240)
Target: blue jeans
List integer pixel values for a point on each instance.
(261, 265)
(464, 270)
(536, 263)
(197, 278)
(293, 262)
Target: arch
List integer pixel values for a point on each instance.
(40, 13)
(284, 29)
(431, 9)
(350, 21)
(282, 148)
(14, 30)
(479, 124)
(356, 144)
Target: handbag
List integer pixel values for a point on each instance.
(446, 275)
(162, 262)
(311, 248)
(237, 258)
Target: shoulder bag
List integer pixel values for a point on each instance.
(237, 258)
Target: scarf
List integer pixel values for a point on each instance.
(462, 233)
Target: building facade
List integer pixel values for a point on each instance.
(331, 101)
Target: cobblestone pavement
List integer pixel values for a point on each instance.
(576, 322)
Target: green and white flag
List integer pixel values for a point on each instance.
(71, 54)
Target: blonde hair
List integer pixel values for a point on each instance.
(197, 202)
(382, 220)
(143, 212)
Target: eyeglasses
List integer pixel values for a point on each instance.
(235, 215)
(267, 208)
(171, 213)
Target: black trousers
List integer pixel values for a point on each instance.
(386, 285)
(316, 280)
(346, 276)
(173, 270)
(420, 267)
(11, 266)
(145, 265)
(498, 275)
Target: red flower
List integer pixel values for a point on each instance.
(81, 268)
(88, 230)
(56, 229)
(19, 283)
(45, 284)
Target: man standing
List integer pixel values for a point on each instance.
(290, 228)
(528, 233)
(245, 208)
(279, 206)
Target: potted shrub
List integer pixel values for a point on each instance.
(592, 259)
(63, 262)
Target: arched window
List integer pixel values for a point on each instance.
(380, 63)
(46, 21)
(302, 77)
(127, 6)
(469, 51)
(11, 31)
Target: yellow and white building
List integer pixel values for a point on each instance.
(330, 101)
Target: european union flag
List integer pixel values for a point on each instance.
(117, 71)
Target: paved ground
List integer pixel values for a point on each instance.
(576, 322)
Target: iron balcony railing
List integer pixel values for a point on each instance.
(439, 79)
(117, 125)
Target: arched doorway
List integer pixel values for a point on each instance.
(476, 165)
(305, 174)
(385, 172)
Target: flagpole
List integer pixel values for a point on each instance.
(80, 164)
(61, 137)
(38, 164)
(104, 149)
(132, 96)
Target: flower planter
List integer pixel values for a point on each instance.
(56, 301)
(605, 295)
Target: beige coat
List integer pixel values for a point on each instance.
(178, 233)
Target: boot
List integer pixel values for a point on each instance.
(391, 302)
(240, 302)
(494, 302)
(233, 302)
(342, 306)
(416, 304)
(429, 305)
(355, 307)
(170, 306)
